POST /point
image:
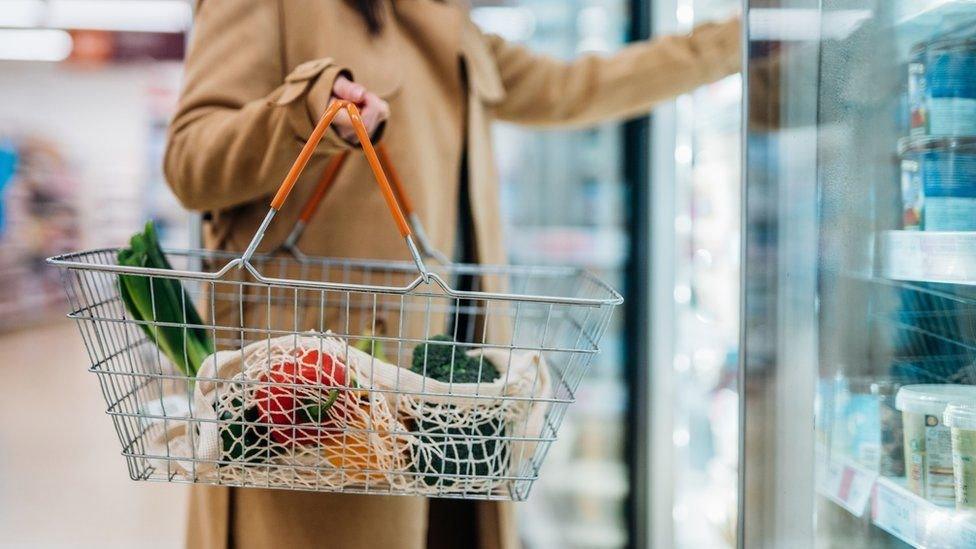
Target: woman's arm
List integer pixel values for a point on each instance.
(540, 90)
(241, 119)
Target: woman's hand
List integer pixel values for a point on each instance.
(373, 110)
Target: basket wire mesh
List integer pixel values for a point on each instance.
(326, 373)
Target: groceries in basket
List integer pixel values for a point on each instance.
(259, 392)
(334, 413)
(336, 416)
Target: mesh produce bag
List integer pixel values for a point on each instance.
(311, 410)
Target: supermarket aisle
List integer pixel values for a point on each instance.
(64, 481)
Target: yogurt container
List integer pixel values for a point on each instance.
(928, 445)
(939, 178)
(942, 87)
(961, 420)
(950, 86)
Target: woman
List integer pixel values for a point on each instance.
(429, 84)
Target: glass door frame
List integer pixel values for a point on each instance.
(778, 346)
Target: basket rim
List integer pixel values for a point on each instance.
(72, 261)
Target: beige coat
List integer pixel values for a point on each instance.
(243, 117)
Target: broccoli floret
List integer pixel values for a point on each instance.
(458, 453)
(442, 358)
(462, 455)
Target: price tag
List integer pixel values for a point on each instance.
(855, 489)
(896, 513)
(848, 486)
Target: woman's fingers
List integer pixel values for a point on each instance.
(372, 109)
(343, 88)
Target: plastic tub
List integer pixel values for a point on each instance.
(942, 87)
(944, 170)
(961, 420)
(928, 444)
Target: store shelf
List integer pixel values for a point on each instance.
(916, 521)
(923, 256)
(920, 20)
(893, 508)
(932, 13)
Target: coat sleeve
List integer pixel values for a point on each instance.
(241, 119)
(540, 90)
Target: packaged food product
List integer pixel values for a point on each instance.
(864, 425)
(942, 87)
(961, 420)
(950, 86)
(891, 461)
(928, 447)
(857, 425)
(944, 168)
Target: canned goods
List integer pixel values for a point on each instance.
(942, 87)
(944, 169)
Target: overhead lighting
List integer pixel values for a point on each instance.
(109, 15)
(34, 45)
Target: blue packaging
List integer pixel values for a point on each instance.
(946, 169)
(950, 87)
(942, 87)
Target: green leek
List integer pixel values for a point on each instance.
(153, 300)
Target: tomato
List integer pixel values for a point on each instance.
(317, 409)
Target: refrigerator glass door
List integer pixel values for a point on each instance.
(859, 275)
(695, 384)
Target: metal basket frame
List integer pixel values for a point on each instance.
(558, 314)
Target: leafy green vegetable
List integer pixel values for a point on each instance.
(449, 363)
(457, 453)
(162, 300)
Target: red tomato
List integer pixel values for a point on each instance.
(286, 405)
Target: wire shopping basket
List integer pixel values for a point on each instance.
(337, 375)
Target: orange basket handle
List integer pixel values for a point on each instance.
(406, 205)
(374, 163)
(324, 184)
